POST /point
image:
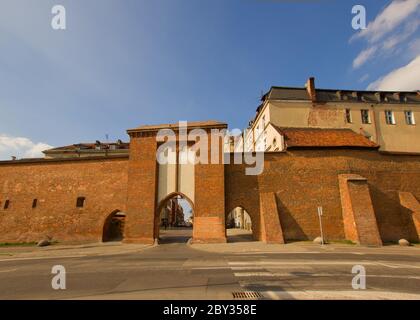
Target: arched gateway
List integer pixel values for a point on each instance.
(151, 182)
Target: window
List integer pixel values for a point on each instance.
(409, 117)
(274, 142)
(348, 116)
(389, 117)
(365, 116)
(6, 204)
(263, 121)
(80, 202)
(34, 203)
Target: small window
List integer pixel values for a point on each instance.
(6, 204)
(365, 116)
(348, 116)
(389, 117)
(274, 142)
(34, 203)
(80, 202)
(409, 117)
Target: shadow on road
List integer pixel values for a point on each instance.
(175, 235)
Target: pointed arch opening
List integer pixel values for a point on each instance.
(113, 228)
(239, 226)
(174, 219)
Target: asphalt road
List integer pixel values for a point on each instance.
(178, 271)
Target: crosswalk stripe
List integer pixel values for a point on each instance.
(253, 274)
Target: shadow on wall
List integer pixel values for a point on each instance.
(394, 221)
(291, 228)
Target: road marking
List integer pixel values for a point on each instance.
(339, 294)
(398, 265)
(251, 264)
(238, 268)
(285, 263)
(274, 252)
(253, 274)
(10, 270)
(301, 275)
(209, 268)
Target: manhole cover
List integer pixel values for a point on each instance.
(247, 295)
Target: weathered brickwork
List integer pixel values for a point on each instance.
(209, 215)
(359, 218)
(141, 190)
(282, 202)
(304, 179)
(56, 185)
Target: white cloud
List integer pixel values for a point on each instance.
(386, 28)
(395, 39)
(404, 78)
(386, 21)
(364, 56)
(364, 77)
(20, 147)
(414, 47)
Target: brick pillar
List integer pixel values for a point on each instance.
(409, 201)
(209, 205)
(141, 190)
(359, 218)
(271, 230)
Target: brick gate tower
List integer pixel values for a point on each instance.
(151, 183)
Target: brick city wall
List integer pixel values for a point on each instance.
(292, 185)
(56, 185)
(302, 180)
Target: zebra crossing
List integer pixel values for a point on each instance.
(310, 279)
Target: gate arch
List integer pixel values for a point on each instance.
(161, 205)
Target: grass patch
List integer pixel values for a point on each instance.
(17, 244)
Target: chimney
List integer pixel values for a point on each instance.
(310, 87)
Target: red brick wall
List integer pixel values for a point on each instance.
(141, 191)
(301, 180)
(56, 185)
(305, 179)
(209, 204)
(360, 224)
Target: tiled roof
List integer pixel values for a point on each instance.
(324, 138)
(90, 146)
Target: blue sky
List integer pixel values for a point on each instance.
(123, 63)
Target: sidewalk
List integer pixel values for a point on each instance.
(68, 250)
